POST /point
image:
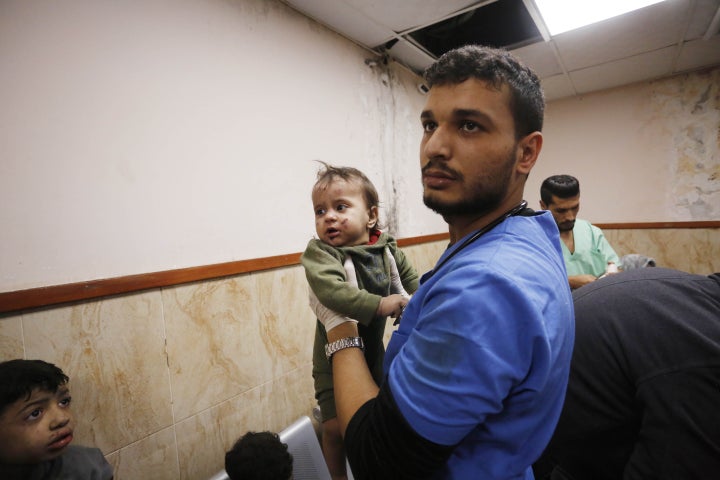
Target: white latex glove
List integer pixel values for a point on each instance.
(396, 285)
(350, 271)
(329, 318)
(611, 269)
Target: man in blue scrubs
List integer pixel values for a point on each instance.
(477, 371)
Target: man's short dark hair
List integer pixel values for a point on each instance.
(259, 456)
(562, 186)
(496, 67)
(19, 378)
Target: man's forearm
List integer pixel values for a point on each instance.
(577, 281)
(352, 380)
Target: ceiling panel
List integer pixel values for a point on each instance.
(644, 30)
(346, 20)
(414, 57)
(557, 86)
(541, 57)
(698, 53)
(660, 40)
(622, 72)
(701, 14)
(402, 15)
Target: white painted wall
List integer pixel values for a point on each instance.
(648, 152)
(149, 135)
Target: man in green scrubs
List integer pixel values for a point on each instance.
(588, 255)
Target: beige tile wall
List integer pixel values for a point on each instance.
(694, 250)
(164, 381)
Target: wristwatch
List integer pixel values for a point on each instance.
(343, 343)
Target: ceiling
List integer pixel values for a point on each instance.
(654, 42)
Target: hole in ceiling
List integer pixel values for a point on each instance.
(505, 23)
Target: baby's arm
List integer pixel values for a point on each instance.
(329, 318)
(393, 305)
(408, 274)
(328, 280)
(396, 285)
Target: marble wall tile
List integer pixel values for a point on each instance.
(113, 350)
(424, 256)
(694, 250)
(154, 457)
(227, 336)
(113, 459)
(165, 381)
(11, 339)
(286, 321)
(204, 438)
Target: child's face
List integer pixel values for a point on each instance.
(36, 429)
(342, 218)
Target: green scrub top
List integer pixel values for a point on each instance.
(592, 251)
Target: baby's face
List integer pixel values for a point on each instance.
(342, 217)
(36, 429)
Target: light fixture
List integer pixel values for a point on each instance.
(560, 15)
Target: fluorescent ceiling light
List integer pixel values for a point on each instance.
(561, 15)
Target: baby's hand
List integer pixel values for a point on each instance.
(392, 305)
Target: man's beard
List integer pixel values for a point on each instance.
(566, 226)
(484, 198)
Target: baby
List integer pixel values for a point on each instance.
(357, 271)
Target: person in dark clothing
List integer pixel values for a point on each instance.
(644, 384)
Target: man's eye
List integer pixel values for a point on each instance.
(470, 126)
(429, 126)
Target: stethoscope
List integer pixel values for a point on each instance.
(510, 213)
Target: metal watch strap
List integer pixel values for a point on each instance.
(343, 343)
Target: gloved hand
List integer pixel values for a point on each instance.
(329, 318)
(396, 285)
(611, 269)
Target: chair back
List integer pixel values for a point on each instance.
(302, 442)
(303, 445)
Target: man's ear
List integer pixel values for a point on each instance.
(529, 150)
(373, 220)
(543, 206)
